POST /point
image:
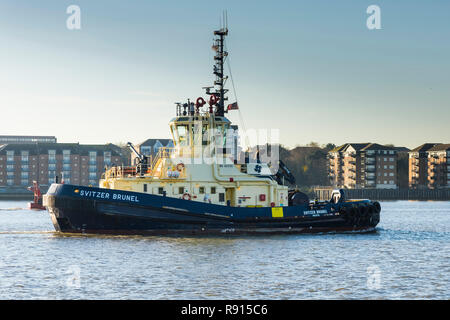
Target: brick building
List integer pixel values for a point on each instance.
(21, 164)
(363, 165)
(418, 166)
(439, 166)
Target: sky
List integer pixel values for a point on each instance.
(310, 69)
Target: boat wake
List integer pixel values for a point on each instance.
(27, 232)
(12, 209)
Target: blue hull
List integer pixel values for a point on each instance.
(77, 209)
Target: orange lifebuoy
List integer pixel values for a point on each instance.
(200, 102)
(213, 100)
(180, 166)
(186, 196)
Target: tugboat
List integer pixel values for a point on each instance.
(199, 187)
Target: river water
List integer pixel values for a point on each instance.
(407, 258)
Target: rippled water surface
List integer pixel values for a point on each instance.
(407, 258)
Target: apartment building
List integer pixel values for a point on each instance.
(439, 166)
(418, 166)
(21, 164)
(363, 165)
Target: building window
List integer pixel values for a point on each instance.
(160, 190)
(52, 166)
(201, 190)
(24, 182)
(92, 175)
(66, 156)
(146, 150)
(391, 174)
(24, 156)
(51, 156)
(10, 156)
(107, 157)
(145, 187)
(9, 182)
(180, 190)
(213, 190)
(391, 159)
(92, 157)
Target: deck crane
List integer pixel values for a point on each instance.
(142, 165)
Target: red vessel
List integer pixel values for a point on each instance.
(37, 203)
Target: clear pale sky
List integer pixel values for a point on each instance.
(309, 68)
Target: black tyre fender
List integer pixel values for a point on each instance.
(377, 206)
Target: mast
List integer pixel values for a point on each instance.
(219, 59)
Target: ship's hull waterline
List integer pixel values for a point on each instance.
(77, 209)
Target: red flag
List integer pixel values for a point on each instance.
(233, 106)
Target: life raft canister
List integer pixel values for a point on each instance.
(186, 196)
(180, 166)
